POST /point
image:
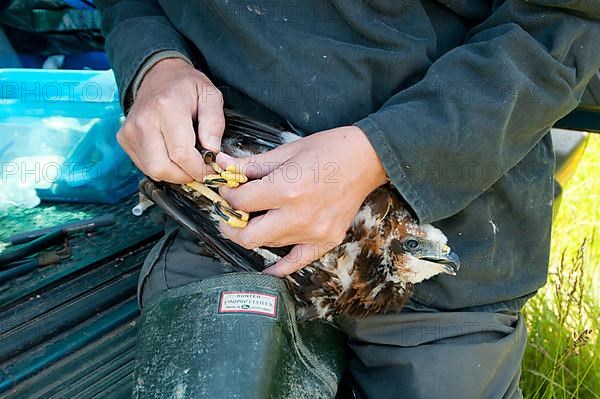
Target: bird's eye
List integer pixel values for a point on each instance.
(411, 245)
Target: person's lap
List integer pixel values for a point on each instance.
(467, 354)
(418, 353)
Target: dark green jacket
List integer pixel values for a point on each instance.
(456, 96)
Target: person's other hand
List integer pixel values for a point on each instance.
(158, 133)
(311, 189)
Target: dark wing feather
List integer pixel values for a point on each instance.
(251, 132)
(196, 218)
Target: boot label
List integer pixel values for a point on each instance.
(248, 302)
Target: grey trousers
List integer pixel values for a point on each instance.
(418, 353)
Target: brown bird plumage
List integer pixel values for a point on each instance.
(384, 253)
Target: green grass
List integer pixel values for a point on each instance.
(562, 355)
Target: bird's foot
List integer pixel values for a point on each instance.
(230, 177)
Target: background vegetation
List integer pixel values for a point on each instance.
(562, 356)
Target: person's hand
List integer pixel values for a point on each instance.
(158, 133)
(312, 189)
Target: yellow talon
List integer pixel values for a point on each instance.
(213, 179)
(245, 215)
(237, 222)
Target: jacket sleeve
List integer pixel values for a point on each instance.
(481, 107)
(135, 30)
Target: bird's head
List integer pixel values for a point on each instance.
(420, 252)
(411, 252)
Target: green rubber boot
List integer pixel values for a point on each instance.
(234, 336)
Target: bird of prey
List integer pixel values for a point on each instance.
(384, 254)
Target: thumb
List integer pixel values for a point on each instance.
(211, 120)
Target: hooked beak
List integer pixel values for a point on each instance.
(447, 260)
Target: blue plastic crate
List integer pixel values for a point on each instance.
(58, 132)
